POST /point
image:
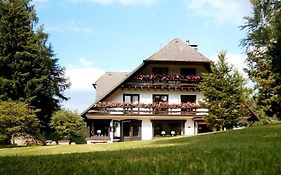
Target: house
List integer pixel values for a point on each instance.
(159, 98)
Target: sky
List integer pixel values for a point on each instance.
(91, 37)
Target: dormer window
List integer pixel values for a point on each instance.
(160, 70)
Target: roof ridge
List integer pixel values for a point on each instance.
(177, 50)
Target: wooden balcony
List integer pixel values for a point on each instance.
(168, 82)
(149, 111)
(121, 108)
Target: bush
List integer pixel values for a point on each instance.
(68, 125)
(17, 117)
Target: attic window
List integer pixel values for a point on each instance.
(160, 70)
(188, 71)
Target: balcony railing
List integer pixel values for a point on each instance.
(173, 77)
(186, 109)
(158, 81)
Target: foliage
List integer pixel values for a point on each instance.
(68, 125)
(29, 68)
(187, 105)
(224, 93)
(173, 77)
(17, 117)
(263, 48)
(248, 151)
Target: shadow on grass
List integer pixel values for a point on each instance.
(9, 146)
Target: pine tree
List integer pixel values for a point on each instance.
(263, 49)
(29, 69)
(224, 93)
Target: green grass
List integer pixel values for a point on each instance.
(248, 151)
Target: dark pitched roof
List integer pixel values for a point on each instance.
(107, 82)
(177, 50)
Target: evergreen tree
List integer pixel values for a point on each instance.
(263, 49)
(29, 69)
(224, 93)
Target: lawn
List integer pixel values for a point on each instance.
(254, 150)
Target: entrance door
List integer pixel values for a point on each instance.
(130, 130)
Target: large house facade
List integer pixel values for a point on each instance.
(159, 98)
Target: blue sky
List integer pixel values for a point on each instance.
(91, 37)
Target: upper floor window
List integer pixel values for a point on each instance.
(188, 71)
(160, 70)
(160, 98)
(131, 98)
(188, 98)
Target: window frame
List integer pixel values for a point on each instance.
(153, 96)
(131, 97)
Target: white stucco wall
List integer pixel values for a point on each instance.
(146, 129)
(174, 97)
(189, 127)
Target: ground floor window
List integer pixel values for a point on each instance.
(99, 128)
(167, 127)
(203, 127)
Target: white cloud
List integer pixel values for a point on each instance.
(82, 78)
(68, 27)
(85, 62)
(221, 11)
(123, 2)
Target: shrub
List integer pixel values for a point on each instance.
(17, 117)
(68, 125)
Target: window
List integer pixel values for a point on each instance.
(131, 98)
(160, 98)
(160, 70)
(188, 71)
(188, 98)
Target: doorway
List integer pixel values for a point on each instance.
(130, 130)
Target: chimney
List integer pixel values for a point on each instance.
(194, 46)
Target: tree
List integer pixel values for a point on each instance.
(224, 93)
(68, 125)
(17, 117)
(29, 68)
(263, 48)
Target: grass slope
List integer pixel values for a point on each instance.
(248, 151)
